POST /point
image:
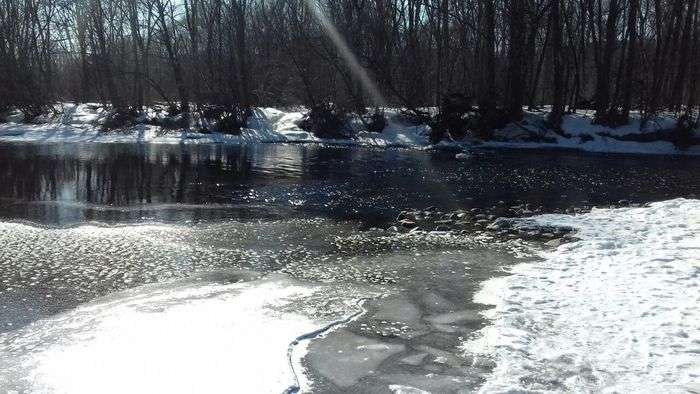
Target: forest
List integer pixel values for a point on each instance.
(490, 58)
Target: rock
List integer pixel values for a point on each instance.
(461, 215)
(393, 229)
(554, 243)
(481, 216)
(624, 202)
(408, 223)
(499, 224)
(494, 227)
(566, 229)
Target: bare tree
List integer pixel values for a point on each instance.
(615, 56)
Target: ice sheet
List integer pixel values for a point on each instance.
(171, 339)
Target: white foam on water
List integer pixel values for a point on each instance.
(187, 339)
(616, 311)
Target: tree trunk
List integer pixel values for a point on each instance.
(517, 59)
(173, 59)
(679, 85)
(487, 67)
(557, 113)
(631, 59)
(602, 97)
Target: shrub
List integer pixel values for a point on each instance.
(176, 122)
(682, 136)
(119, 118)
(612, 118)
(455, 119)
(375, 121)
(326, 121)
(32, 110)
(226, 119)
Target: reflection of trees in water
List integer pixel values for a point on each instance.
(26, 176)
(118, 175)
(343, 183)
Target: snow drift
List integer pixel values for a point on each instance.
(616, 311)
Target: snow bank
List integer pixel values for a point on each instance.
(183, 339)
(586, 136)
(599, 144)
(80, 123)
(582, 123)
(616, 311)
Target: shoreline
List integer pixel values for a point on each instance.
(36, 134)
(83, 123)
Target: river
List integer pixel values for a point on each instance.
(273, 267)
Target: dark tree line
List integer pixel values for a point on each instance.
(610, 55)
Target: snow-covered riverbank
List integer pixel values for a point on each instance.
(79, 124)
(616, 311)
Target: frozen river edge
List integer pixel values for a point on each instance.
(613, 310)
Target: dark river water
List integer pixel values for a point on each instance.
(81, 222)
(66, 184)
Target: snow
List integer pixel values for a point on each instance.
(80, 123)
(582, 123)
(616, 311)
(601, 144)
(171, 339)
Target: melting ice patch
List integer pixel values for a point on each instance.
(616, 311)
(205, 338)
